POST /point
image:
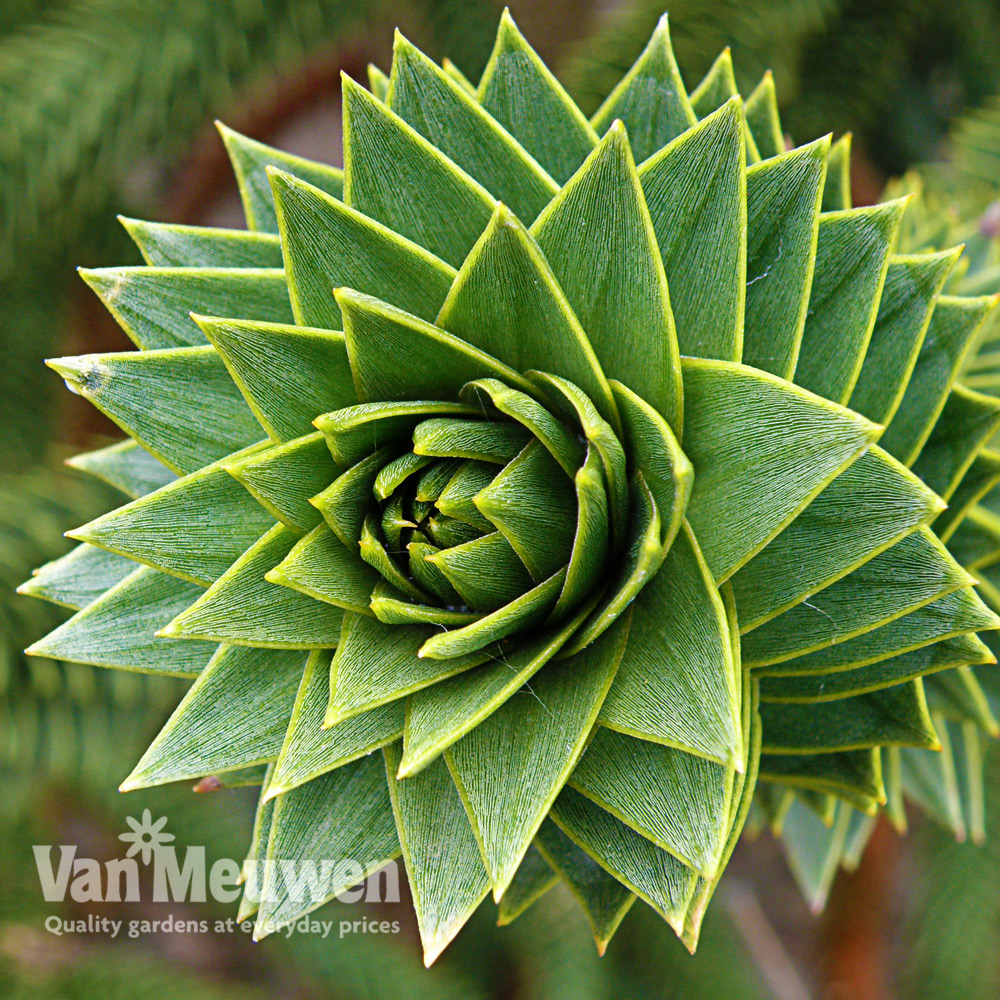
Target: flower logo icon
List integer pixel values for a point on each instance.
(146, 837)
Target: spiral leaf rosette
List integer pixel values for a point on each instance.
(586, 469)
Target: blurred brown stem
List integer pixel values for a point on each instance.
(857, 925)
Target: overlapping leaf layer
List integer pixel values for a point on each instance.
(958, 457)
(589, 470)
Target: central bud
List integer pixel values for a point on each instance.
(475, 515)
(485, 517)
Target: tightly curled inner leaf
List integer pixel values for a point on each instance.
(480, 478)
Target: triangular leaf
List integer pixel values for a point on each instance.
(676, 683)
(814, 850)
(604, 900)
(309, 750)
(451, 210)
(758, 471)
(180, 404)
(532, 503)
(343, 818)
(257, 851)
(523, 614)
(649, 871)
(534, 878)
(287, 374)
(981, 477)
(945, 655)
(564, 446)
(852, 257)
(539, 734)
(679, 801)
(439, 716)
(782, 226)
(952, 330)
(653, 448)
(322, 567)
(284, 479)
(598, 238)
(250, 161)
(376, 664)
(897, 716)
(852, 775)
(168, 245)
(243, 608)
(200, 740)
(328, 245)
(194, 528)
(912, 285)
(956, 614)
(127, 466)
(355, 432)
(643, 555)
(697, 196)
(153, 305)
(967, 422)
(507, 302)
(717, 87)
(78, 578)
(763, 119)
(518, 90)
(395, 355)
(650, 99)
(917, 570)
(443, 863)
(837, 189)
(120, 629)
(486, 571)
(344, 503)
(872, 504)
(378, 82)
(931, 781)
(450, 118)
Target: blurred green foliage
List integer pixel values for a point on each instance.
(952, 920)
